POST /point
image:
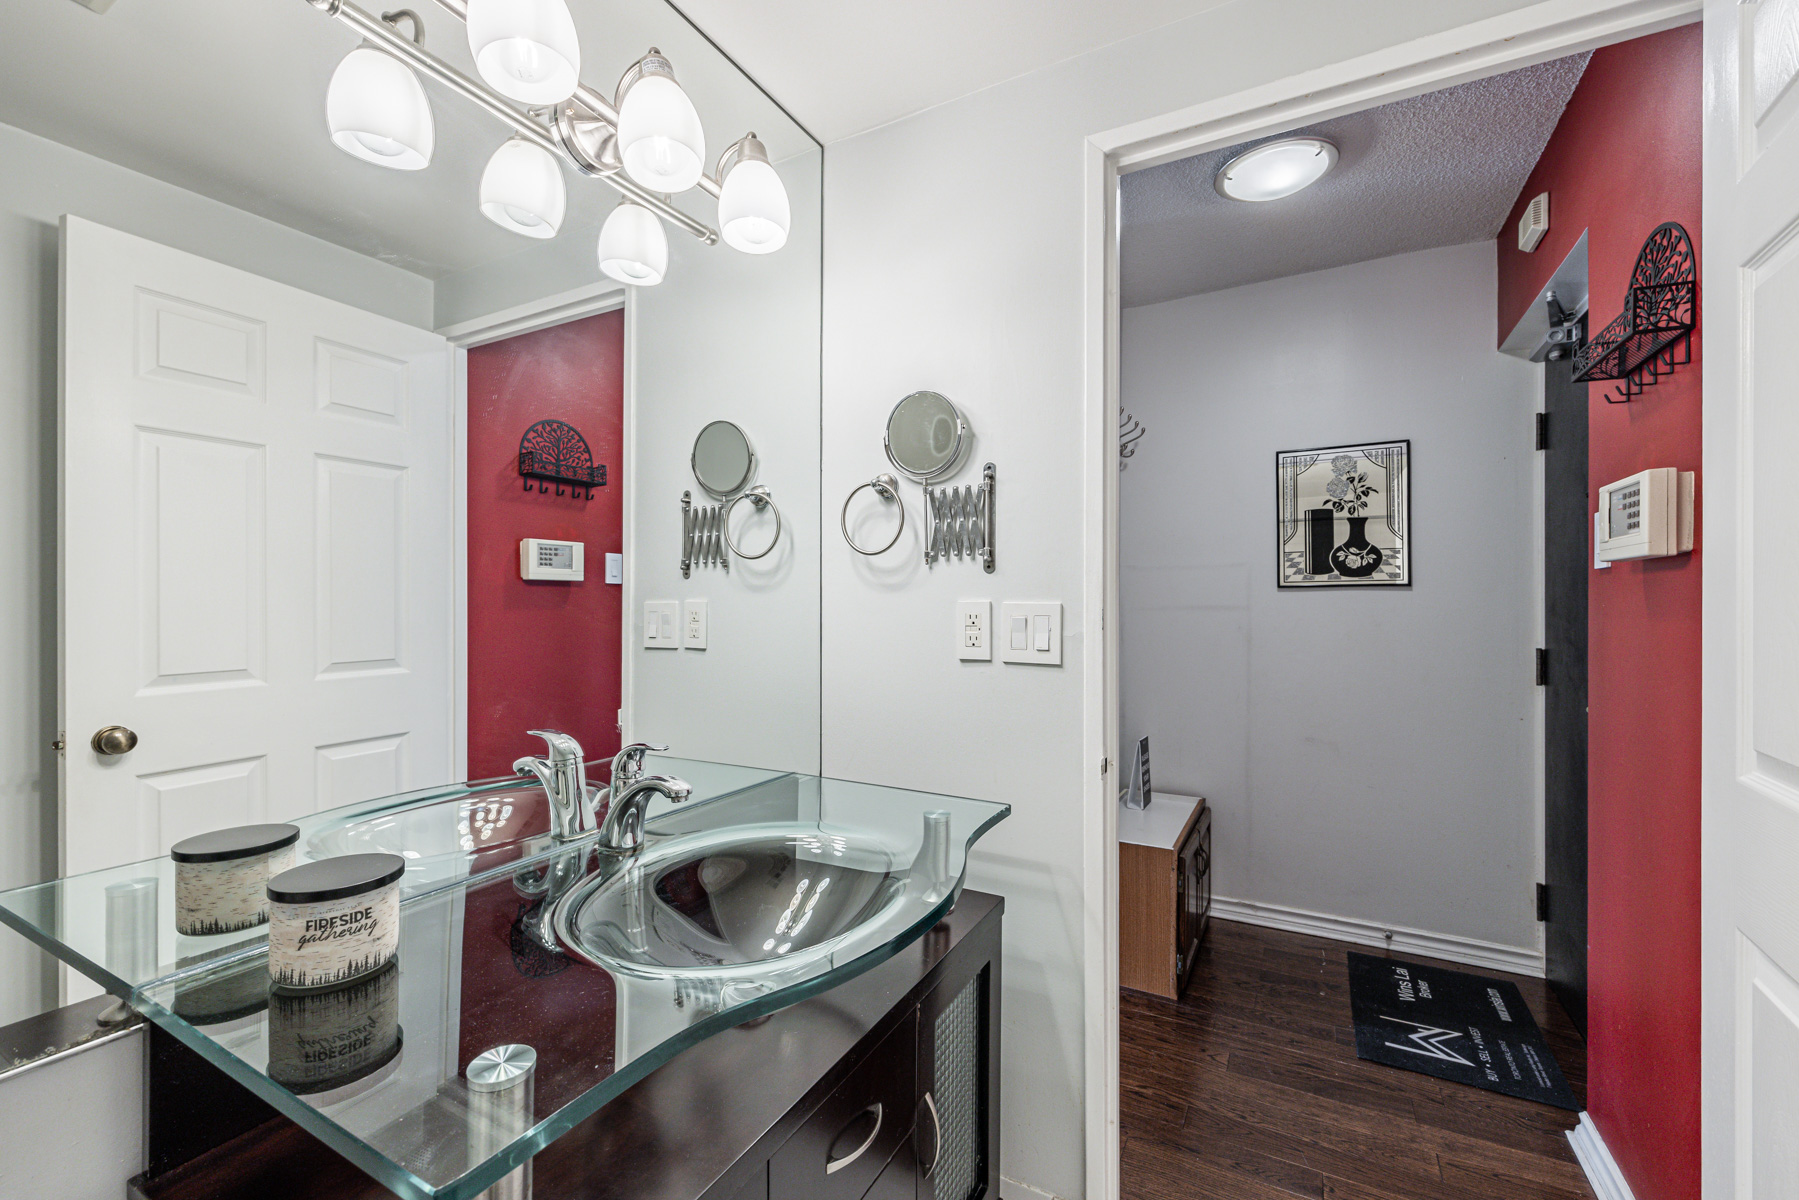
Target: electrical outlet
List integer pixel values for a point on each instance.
(659, 620)
(1031, 633)
(693, 625)
(974, 624)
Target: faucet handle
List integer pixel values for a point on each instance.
(563, 748)
(627, 764)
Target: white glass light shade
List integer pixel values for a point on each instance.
(753, 214)
(525, 49)
(1276, 169)
(659, 135)
(633, 246)
(376, 109)
(522, 190)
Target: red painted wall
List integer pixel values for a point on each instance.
(1625, 158)
(541, 654)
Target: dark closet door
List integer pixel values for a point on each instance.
(1567, 559)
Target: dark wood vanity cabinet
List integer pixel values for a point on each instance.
(884, 1087)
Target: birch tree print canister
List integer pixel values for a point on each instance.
(221, 878)
(334, 920)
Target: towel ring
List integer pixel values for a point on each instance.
(758, 497)
(886, 487)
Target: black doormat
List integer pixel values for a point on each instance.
(1452, 1025)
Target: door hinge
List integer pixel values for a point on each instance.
(61, 743)
(1542, 667)
(1542, 902)
(1542, 431)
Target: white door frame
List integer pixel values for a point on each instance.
(586, 301)
(1516, 39)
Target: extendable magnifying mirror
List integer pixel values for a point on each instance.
(722, 459)
(926, 436)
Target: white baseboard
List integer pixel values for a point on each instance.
(1471, 951)
(1013, 1189)
(1601, 1168)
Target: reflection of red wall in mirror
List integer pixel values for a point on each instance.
(542, 655)
(1625, 158)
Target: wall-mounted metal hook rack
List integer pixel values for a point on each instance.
(1130, 432)
(554, 452)
(961, 521)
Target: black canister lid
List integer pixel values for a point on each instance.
(336, 878)
(242, 841)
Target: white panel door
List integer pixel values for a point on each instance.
(255, 549)
(1750, 318)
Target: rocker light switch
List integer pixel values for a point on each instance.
(1034, 633)
(659, 619)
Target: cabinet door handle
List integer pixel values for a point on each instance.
(936, 1135)
(834, 1165)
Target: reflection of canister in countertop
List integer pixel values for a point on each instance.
(220, 876)
(321, 1041)
(334, 920)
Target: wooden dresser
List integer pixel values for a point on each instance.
(1164, 891)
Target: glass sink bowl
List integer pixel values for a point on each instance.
(734, 901)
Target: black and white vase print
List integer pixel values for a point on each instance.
(1344, 515)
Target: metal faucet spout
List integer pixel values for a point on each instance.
(622, 830)
(563, 775)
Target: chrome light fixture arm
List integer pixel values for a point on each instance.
(416, 56)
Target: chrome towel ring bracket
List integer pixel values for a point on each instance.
(702, 536)
(759, 498)
(887, 488)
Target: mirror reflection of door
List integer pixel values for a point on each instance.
(256, 558)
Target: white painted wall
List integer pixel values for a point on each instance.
(735, 337)
(1368, 754)
(954, 260)
(40, 182)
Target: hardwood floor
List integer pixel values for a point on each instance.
(1248, 1088)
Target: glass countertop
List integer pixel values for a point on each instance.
(762, 890)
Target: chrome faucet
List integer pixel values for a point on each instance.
(622, 831)
(564, 779)
(627, 764)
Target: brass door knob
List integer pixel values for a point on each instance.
(114, 739)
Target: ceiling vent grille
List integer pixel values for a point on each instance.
(1534, 223)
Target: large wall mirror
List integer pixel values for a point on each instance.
(282, 294)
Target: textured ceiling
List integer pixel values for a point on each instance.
(1440, 169)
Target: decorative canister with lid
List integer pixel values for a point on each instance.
(334, 920)
(321, 1041)
(221, 877)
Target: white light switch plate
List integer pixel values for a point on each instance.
(693, 625)
(615, 568)
(974, 630)
(660, 618)
(1030, 633)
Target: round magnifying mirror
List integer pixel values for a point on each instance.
(722, 459)
(925, 434)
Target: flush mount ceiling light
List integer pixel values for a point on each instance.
(659, 134)
(522, 189)
(525, 49)
(633, 248)
(753, 213)
(376, 109)
(1276, 169)
(646, 143)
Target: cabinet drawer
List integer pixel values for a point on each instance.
(842, 1147)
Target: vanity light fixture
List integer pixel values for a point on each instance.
(753, 214)
(646, 143)
(526, 50)
(522, 189)
(633, 248)
(659, 134)
(1276, 169)
(376, 109)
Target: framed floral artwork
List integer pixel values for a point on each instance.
(1345, 515)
